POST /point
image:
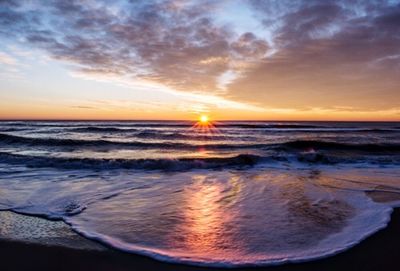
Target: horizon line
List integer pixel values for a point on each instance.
(186, 120)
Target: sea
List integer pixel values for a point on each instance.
(228, 193)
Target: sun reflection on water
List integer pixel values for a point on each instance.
(207, 216)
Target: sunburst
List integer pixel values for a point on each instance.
(205, 126)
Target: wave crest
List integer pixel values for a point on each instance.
(327, 145)
(242, 160)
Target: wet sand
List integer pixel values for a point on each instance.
(380, 196)
(378, 252)
(34, 230)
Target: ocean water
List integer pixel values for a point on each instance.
(228, 194)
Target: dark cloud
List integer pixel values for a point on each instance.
(329, 53)
(9, 3)
(248, 45)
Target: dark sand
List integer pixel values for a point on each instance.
(378, 252)
(35, 230)
(380, 196)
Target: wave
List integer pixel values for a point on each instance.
(5, 129)
(327, 145)
(157, 134)
(333, 130)
(160, 134)
(183, 136)
(379, 130)
(302, 145)
(58, 142)
(266, 126)
(149, 133)
(135, 127)
(122, 125)
(100, 143)
(154, 134)
(242, 160)
(131, 127)
(95, 129)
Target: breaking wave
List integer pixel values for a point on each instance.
(327, 145)
(242, 160)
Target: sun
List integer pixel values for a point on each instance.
(204, 119)
(205, 126)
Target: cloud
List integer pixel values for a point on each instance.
(6, 59)
(302, 53)
(9, 67)
(175, 43)
(329, 53)
(83, 107)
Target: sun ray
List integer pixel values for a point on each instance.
(205, 126)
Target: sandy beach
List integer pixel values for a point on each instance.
(68, 251)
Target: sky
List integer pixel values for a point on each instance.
(176, 59)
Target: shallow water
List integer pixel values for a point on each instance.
(238, 193)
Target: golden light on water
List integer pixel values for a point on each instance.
(208, 226)
(204, 221)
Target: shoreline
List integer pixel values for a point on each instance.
(67, 250)
(30, 229)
